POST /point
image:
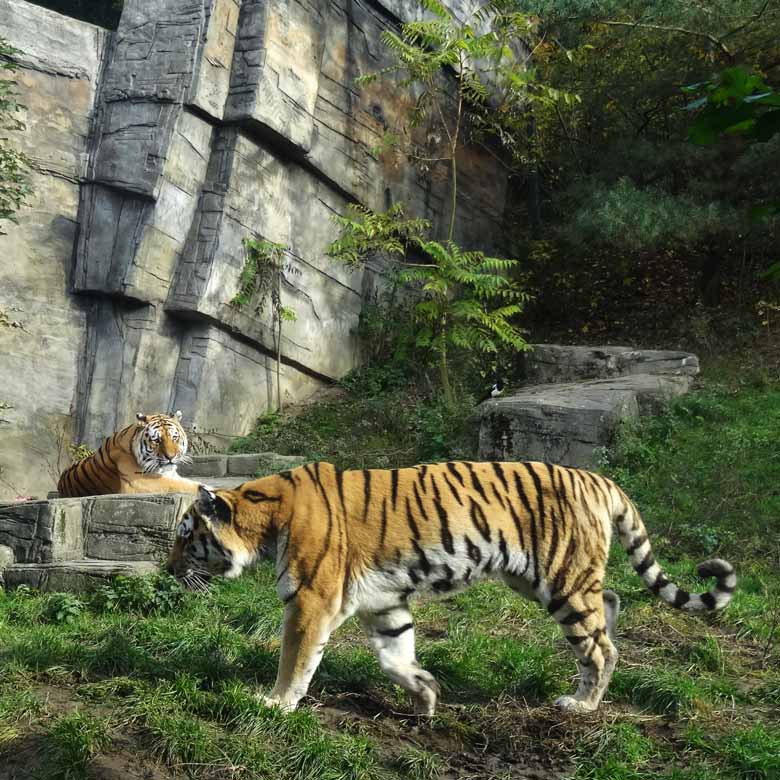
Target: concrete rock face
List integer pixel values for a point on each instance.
(160, 148)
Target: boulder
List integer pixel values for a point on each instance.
(569, 423)
(547, 363)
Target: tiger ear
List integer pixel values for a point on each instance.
(141, 417)
(206, 502)
(178, 415)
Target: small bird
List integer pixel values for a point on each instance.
(495, 391)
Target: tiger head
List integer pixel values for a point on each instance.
(160, 442)
(222, 533)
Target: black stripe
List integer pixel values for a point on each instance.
(423, 472)
(645, 564)
(453, 489)
(383, 527)
(575, 639)
(502, 547)
(708, 600)
(475, 481)
(660, 583)
(436, 493)
(452, 468)
(681, 598)
(410, 520)
(556, 604)
(575, 617)
(366, 493)
(553, 542)
(340, 488)
(394, 487)
(425, 564)
(287, 476)
(473, 551)
(539, 496)
(534, 541)
(501, 476)
(418, 499)
(446, 536)
(479, 520)
(395, 631)
(636, 544)
(258, 497)
(518, 525)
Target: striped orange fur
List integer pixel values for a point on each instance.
(366, 542)
(141, 458)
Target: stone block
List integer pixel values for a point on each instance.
(223, 385)
(569, 423)
(548, 363)
(7, 557)
(73, 576)
(276, 69)
(129, 365)
(43, 531)
(205, 466)
(132, 528)
(243, 465)
(133, 235)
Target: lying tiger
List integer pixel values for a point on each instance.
(141, 458)
(365, 542)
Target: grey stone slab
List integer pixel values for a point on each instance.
(73, 576)
(243, 465)
(43, 531)
(132, 528)
(7, 556)
(205, 466)
(547, 363)
(569, 423)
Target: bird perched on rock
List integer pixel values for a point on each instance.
(495, 391)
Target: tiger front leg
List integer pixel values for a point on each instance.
(159, 483)
(306, 630)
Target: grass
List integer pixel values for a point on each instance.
(168, 678)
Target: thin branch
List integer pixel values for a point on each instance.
(664, 28)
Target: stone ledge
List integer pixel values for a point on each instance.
(75, 576)
(549, 363)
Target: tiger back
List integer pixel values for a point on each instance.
(141, 458)
(366, 542)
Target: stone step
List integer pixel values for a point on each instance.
(570, 423)
(240, 467)
(112, 527)
(76, 576)
(548, 363)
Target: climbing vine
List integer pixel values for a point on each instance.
(265, 268)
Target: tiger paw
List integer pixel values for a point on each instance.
(271, 701)
(573, 705)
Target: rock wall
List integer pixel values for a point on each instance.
(160, 148)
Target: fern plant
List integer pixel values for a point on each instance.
(466, 299)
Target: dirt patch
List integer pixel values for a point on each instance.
(472, 742)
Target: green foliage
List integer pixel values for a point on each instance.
(464, 300)
(385, 419)
(264, 272)
(159, 594)
(65, 608)
(419, 764)
(616, 751)
(78, 452)
(74, 739)
(14, 165)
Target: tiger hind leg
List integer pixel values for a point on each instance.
(587, 622)
(391, 634)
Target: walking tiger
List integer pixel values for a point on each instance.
(366, 542)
